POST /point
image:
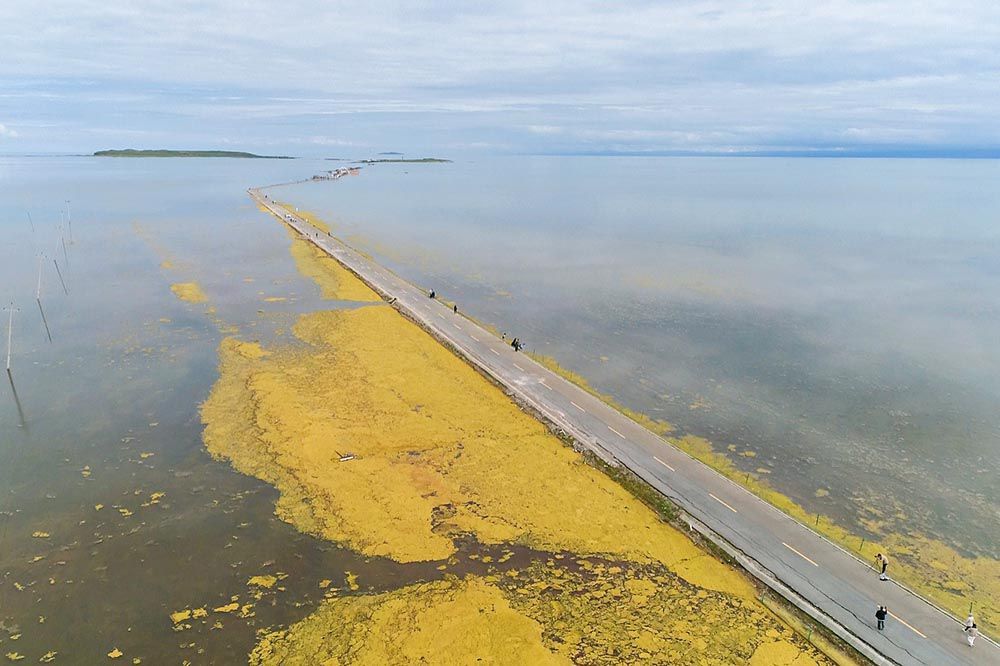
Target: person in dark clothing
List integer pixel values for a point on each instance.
(880, 616)
(455, 309)
(431, 294)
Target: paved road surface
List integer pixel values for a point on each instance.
(836, 587)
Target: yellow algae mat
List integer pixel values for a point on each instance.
(189, 291)
(440, 453)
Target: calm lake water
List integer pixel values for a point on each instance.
(106, 414)
(833, 321)
(837, 318)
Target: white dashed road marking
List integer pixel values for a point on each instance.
(664, 464)
(495, 352)
(542, 382)
(722, 503)
(577, 406)
(616, 432)
(519, 367)
(474, 338)
(799, 554)
(457, 326)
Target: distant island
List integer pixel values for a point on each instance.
(132, 152)
(408, 161)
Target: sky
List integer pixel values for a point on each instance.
(350, 79)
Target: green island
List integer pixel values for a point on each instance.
(132, 152)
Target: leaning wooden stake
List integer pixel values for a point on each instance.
(10, 330)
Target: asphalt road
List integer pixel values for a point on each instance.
(842, 590)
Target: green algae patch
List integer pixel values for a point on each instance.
(442, 623)
(335, 281)
(189, 291)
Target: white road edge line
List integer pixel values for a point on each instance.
(577, 406)
(722, 503)
(495, 352)
(908, 626)
(616, 432)
(799, 554)
(664, 464)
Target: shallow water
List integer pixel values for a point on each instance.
(106, 417)
(833, 322)
(833, 317)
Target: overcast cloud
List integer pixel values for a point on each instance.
(350, 78)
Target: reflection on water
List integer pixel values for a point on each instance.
(21, 422)
(831, 322)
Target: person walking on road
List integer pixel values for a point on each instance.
(880, 616)
(455, 309)
(971, 633)
(881, 564)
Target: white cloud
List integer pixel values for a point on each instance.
(656, 75)
(6, 132)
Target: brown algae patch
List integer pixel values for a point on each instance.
(189, 291)
(439, 452)
(335, 281)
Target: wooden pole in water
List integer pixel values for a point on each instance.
(10, 329)
(62, 239)
(61, 281)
